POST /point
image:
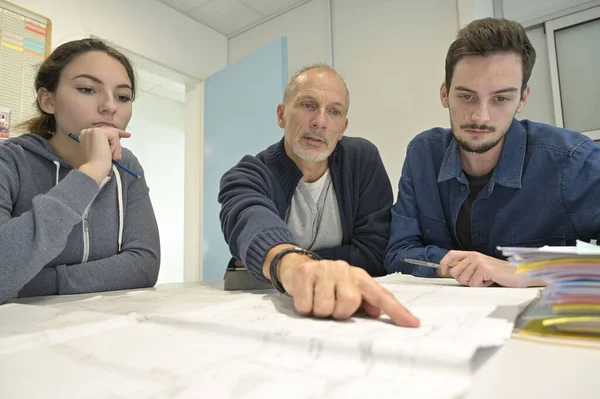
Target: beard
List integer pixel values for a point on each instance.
(482, 147)
(477, 148)
(308, 155)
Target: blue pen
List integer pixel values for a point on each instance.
(117, 164)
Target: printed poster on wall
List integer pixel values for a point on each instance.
(22, 50)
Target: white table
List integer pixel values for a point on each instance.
(523, 369)
(520, 369)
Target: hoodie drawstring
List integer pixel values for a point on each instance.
(57, 163)
(120, 203)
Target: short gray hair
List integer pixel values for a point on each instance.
(291, 86)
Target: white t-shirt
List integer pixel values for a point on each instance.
(313, 216)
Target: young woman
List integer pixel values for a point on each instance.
(71, 221)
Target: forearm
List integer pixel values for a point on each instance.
(44, 283)
(290, 258)
(406, 242)
(28, 243)
(32, 240)
(252, 227)
(256, 249)
(128, 270)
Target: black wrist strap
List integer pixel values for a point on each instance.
(273, 269)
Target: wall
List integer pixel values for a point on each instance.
(233, 127)
(538, 10)
(145, 27)
(307, 31)
(469, 10)
(194, 182)
(391, 54)
(157, 139)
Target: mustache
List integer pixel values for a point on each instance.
(314, 134)
(486, 128)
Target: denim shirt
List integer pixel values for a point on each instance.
(545, 190)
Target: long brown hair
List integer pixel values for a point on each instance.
(489, 36)
(48, 77)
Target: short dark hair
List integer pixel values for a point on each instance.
(48, 77)
(491, 36)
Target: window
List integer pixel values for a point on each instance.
(565, 82)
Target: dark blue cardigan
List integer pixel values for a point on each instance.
(256, 193)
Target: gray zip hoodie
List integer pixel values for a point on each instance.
(62, 233)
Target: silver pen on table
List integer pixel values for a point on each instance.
(422, 263)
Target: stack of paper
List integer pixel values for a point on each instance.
(571, 302)
(201, 342)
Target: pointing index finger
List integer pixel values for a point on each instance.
(375, 295)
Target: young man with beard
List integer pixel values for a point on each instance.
(491, 180)
(311, 213)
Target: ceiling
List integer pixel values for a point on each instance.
(230, 17)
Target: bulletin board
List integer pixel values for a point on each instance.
(25, 41)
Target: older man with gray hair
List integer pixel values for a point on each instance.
(311, 213)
